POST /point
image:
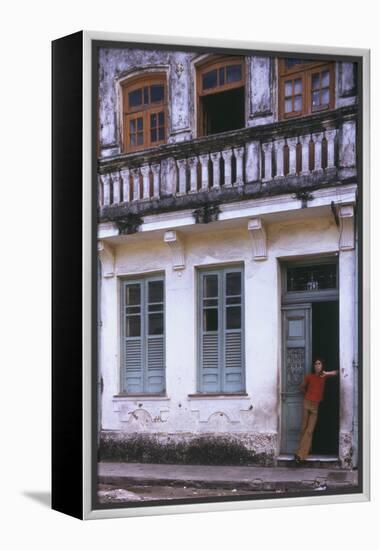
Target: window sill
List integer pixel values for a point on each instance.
(137, 396)
(207, 395)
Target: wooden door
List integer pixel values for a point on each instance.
(296, 363)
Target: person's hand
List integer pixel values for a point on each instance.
(322, 374)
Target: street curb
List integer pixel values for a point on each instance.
(257, 484)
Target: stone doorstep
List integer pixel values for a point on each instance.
(319, 483)
(313, 461)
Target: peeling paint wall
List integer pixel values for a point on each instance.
(254, 417)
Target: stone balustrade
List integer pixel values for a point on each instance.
(189, 170)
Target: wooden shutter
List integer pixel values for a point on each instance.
(233, 331)
(143, 353)
(132, 307)
(155, 353)
(221, 331)
(210, 341)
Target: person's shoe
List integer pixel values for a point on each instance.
(297, 459)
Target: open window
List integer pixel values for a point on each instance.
(305, 87)
(221, 95)
(144, 112)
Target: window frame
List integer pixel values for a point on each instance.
(304, 71)
(144, 281)
(144, 111)
(221, 271)
(216, 62)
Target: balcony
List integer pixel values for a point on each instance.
(288, 156)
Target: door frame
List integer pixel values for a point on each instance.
(294, 300)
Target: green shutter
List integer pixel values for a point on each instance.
(132, 307)
(221, 331)
(210, 342)
(233, 330)
(143, 356)
(155, 355)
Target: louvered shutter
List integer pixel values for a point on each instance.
(210, 343)
(233, 331)
(221, 342)
(132, 335)
(155, 360)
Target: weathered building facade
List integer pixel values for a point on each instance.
(227, 246)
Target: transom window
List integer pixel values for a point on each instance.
(143, 340)
(312, 277)
(221, 95)
(221, 330)
(305, 87)
(144, 113)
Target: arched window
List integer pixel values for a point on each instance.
(305, 87)
(221, 95)
(144, 112)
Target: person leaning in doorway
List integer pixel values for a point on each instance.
(313, 388)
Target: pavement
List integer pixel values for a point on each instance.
(246, 478)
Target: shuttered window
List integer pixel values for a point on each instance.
(221, 331)
(143, 340)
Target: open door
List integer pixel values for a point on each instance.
(297, 349)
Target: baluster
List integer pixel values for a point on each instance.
(125, 175)
(238, 153)
(253, 153)
(267, 152)
(317, 138)
(227, 156)
(304, 140)
(192, 161)
(279, 156)
(107, 189)
(100, 191)
(136, 188)
(182, 164)
(155, 168)
(145, 171)
(292, 142)
(215, 157)
(116, 188)
(330, 136)
(204, 159)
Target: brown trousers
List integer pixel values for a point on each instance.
(308, 423)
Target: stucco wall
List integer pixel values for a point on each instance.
(255, 417)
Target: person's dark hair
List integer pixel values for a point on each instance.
(318, 359)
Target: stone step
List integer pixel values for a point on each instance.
(313, 461)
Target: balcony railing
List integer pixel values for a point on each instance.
(306, 148)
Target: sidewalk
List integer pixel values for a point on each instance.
(250, 478)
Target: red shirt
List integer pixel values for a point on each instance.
(315, 387)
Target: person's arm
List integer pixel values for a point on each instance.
(303, 385)
(329, 373)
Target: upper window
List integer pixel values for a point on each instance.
(144, 113)
(221, 95)
(305, 87)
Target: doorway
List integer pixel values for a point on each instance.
(325, 343)
(310, 329)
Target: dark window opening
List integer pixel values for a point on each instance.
(223, 111)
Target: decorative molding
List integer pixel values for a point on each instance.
(176, 244)
(179, 68)
(129, 224)
(346, 226)
(106, 255)
(207, 213)
(304, 197)
(258, 236)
